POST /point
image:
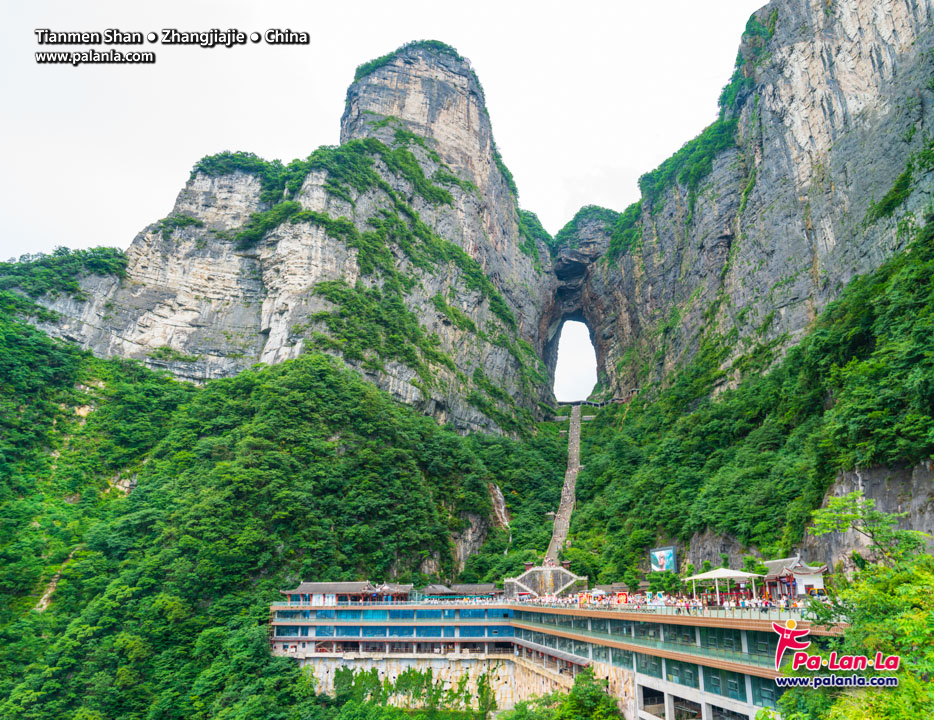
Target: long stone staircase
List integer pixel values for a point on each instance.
(559, 534)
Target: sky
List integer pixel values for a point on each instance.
(584, 97)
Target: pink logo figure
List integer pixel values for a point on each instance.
(788, 639)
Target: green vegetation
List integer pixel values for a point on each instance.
(587, 700)
(170, 354)
(435, 46)
(261, 223)
(920, 161)
(627, 232)
(376, 319)
(888, 605)
(754, 461)
(506, 173)
(168, 225)
(460, 319)
(691, 164)
(567, 236)
(298, 470)
(531, 233)
(59, 273)
(752, 53)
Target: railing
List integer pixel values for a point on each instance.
(689, 649)
(707, 611)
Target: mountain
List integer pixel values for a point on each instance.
(336, 367)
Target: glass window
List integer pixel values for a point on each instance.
(348, 631)
(473, 613)
(600, 625)
(373, 615)
(401, 614)
(647, 631)
(761, 643)
(324, 614)
(682, 673)
(725, 683)
(581, 623)
(401, 631)
(428, 614)
(622, 658)
(550, 641)
(324, 631)
(679, 634)
(621, 627)
(764, 692)
(649, 665)
(565, 644)
(601, 653)
(721, 639)
(581, 649)
(286, 630)
(499, 631)
(472, 631)
(348, 614)
(374, 631)
(565, 621)
(448, 614)
(450, 631)
(428, 631)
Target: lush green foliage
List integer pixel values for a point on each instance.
(244, 485)
(261, 223)
(752, 53)
(691, 164)
(168, 225)
(627, 232)
(858, 391)
(377, 319)
(58, 273)
(921, 161)
(567, 236)
(888, 606)
(531, 233)
(587, 700)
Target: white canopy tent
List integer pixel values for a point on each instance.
(723, 574)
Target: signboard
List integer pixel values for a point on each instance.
(663, 559)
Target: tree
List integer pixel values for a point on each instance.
(888, 544)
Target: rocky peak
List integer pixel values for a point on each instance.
(434, 92)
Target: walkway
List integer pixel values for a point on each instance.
(559, 535)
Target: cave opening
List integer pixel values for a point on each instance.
(576, 366)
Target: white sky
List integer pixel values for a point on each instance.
(576, 370)
(584, 98)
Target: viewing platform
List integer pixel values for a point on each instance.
(717, 661)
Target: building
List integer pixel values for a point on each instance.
(791, 577)
(660, 662)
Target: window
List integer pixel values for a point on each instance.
(348, 631)
(621, 627)
(324, 614)
(649, 665)
(622, 658)
(581, 623)
(471, 631)
(647, 631)
(428, 631)
(601, 653)
(401, 614)
(324, 631)
(581, 649)
(373, 615)
(428, 614)
(679, 634)
(348, 614)
(721, 639)
(764, 692)
(600, 625)
(682, 673)
(472, 613)
(499, 631)
(725, 683)
(374, 631)
(397, 631)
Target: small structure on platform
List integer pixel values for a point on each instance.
(719, 574)
(542, 580)
(319, 594)
(788, 577)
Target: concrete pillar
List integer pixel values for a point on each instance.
(748, 688)
(706, 711)
(697, 635)
(669, 706)
(744, 642)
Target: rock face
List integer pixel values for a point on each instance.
(836, 100)
(894, 490)
(203, 305)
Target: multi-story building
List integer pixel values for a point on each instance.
(660, 662)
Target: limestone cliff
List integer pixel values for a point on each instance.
(830, 103)
(400, 250)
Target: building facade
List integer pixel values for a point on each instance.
(659, 662)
